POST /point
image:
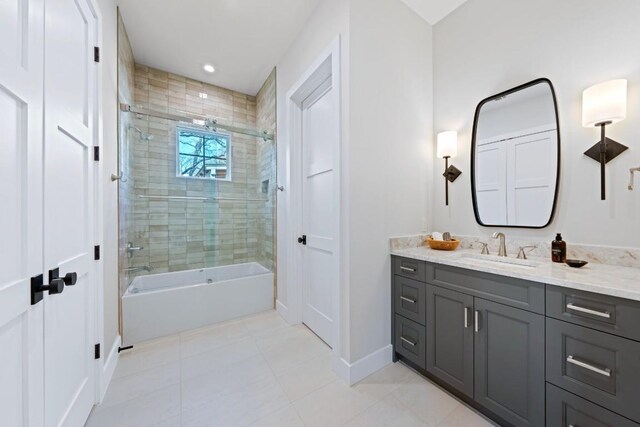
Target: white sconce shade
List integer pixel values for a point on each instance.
(604, 102)
(447, 144)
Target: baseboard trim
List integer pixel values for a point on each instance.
(354, 372)
(109, 367)
(283, 311)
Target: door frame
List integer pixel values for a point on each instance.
(101, 376)
(326, 65)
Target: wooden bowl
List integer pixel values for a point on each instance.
(443, 245)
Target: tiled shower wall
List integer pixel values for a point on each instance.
(266, 120)
(188, 234)
(236, 222)
(126, 73)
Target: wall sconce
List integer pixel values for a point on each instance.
(602, 105)
(447, 148)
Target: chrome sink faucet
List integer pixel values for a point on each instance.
(502, 251)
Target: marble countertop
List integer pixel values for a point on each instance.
(622, 282)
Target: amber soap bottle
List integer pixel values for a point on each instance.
(558, 249)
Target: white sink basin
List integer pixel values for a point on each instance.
(498, 260)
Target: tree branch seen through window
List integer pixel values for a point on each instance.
(203, 154)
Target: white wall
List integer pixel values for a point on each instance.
(110, 165)
(488, 46)
(390, 135)
(330, 20)
(386, 126)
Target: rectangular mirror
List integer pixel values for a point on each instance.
(515, 157)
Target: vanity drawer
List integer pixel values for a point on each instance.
(605, 313)
(410, 341)
(600, 367)
(566, 409)
(411, 268)
(410, 299)
(501, 289)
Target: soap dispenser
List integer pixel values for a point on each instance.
(558, 249)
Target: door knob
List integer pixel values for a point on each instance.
(55, 286)
(70, 279)
(302, 239)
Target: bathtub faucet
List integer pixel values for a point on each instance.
(137, 269)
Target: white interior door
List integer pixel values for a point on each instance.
(531, 178)
(21, 349)
(320, 142)
(70, 90)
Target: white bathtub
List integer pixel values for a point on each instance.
(163, 304)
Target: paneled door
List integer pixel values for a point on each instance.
(21, 324)
(69, 210)
(320, 140)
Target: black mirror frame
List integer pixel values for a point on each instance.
(473, 153)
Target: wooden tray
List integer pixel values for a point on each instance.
(443, 245)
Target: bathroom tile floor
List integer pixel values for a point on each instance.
(260, 371)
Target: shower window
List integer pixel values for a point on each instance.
(203, 154)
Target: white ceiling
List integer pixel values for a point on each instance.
(433, 10)
(242, 39)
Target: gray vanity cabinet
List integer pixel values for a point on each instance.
(524, 353)
(450, 337)
(509, 363)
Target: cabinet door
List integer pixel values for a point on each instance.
(450, 337)
(509, 362)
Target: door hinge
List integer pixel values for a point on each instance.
(96, 252)
(96, 153)
(96, 54)
(96, 351)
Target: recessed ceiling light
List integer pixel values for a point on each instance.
(209, 68)
(203, 95)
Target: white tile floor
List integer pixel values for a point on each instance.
(259, 371)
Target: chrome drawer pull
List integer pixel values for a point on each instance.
(476, 321)
(466, 317)
(409, 300)
(411, 343)
(604, 314)
(605, 372)
(403, 268)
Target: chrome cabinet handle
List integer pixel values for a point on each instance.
(585, 365)
(411, 343)
(466, 317)
(409, 300)
(574, 307)
(403, 268)
(476, 315)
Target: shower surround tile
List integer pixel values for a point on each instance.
(189, 234)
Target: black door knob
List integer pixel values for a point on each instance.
(55, 287)
(70, 279)
(302, 239)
